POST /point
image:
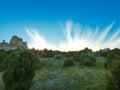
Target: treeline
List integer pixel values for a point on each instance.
(47, 53)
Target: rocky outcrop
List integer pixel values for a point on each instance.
(15, 43)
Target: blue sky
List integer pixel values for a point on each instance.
(49, 18)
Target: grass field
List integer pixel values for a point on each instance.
(53, 76)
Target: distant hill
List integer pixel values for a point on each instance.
(15, 43)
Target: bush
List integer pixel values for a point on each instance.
(4, 59)
(58, 56)
(47, 53)
(114, 82)
(110, 83)
(20, 72)
(76, 57)
(110, 59)
(112, 56)
(116, 77)
(87, 60)
(68, 63)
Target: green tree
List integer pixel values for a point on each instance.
(19, 74)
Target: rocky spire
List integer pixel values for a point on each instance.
(15, 43)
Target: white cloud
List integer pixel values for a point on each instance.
(83, 37)
(37, 41)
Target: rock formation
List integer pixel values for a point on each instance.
(15, 43)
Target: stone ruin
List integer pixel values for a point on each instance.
(15, 43)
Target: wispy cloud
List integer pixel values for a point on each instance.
(37, 41)
(83, 37)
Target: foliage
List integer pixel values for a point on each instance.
(58, 56)
(69, 54)
(112, 57)
(72, 78)
(19, 74)
(86, 50)
(68, 63)
(116, 76)
(87, 60)
(4, 59)
(76, 56)
(1, 59)
(114, 64)
(53, 76)
(100, 62)
(114, 81)
(47, 53)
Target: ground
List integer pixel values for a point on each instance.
(53, 76)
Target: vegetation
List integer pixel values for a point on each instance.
(113, 62)
(55, 70)
(20, 72)
(68, 63)
(85, 59)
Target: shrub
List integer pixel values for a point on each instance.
(112, 56)
(87, 60)
(68, 63)
(116, 77)
(76, 57)
(58, 56)
(110, 83)
(4, 59)
(110, 59)
(47, 53)
(20, 72)
(114, 82)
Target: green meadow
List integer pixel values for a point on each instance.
(65, 71)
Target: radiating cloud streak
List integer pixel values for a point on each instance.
(37, 41)
(83, 37)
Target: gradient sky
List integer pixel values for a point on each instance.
(49, 18)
